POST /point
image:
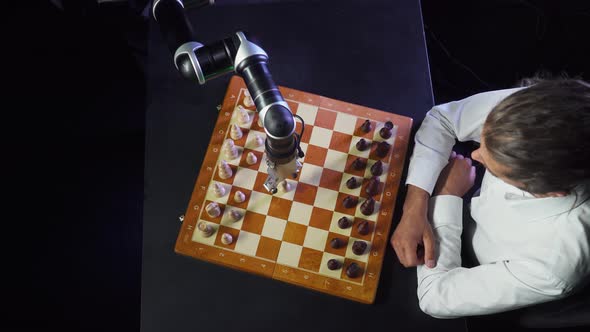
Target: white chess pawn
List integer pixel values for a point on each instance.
(251, 158)
(235, 132)
(258, 140)
(218, 190)
(243, 116)
(226, 238)
(239, 197)
(229, 149)
(224, 171)
(248, 102)
(213, 210)
(286, 186)
(235, 215)
(206, 229)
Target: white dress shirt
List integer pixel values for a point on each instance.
(530, 250)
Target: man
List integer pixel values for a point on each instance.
(530, 234)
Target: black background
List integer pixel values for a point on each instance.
(75, 138)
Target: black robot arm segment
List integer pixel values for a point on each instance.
(199, 62)
(193, 60)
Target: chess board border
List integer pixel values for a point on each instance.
(362, 292)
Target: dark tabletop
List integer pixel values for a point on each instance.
(370, 53)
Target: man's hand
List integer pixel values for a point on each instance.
(413, 240)
(456, 178)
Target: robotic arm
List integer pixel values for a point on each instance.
(201, 63)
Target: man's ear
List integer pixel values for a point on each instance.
(552, 194)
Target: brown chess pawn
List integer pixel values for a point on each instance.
(352, 183)
(377, 168)
(363, 228)
(382, 149)
(362, 145)
(385, 132)
(349, 202)
(368, 206)
(366, 126)
(373, 186)
(358, 164)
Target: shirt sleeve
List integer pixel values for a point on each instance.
(450, 291)
(458, 120)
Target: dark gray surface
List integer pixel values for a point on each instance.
(371, 54)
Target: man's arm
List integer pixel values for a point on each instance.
(450, 290)
(460, 120)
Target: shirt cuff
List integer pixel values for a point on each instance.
(423, 173)
(445, 210)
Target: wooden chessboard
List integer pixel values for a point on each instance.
(286, 236)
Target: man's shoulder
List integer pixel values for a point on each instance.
(494, 94)
(571, 262)
(484, 99)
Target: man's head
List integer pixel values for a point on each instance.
(538, 139)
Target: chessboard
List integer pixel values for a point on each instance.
(321, 230)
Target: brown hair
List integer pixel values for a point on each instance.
(542, 134)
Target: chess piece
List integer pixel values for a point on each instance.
(366, 126)
(333, 264)
(218, 190)
(362, 145)
(226, 238)
(206, 229)
(213, 210)
(251, 158)
(286, 186)
(382, 149)
(248, 102)
(352, 183)
(344, 223)
(224, 171)
(353, 270)
(368, 206)
(336, 243)
(377, 168)
(349, 202)
(239, 197)
(359, 247)
(229, 149)
(235, 215)
(235, 132)
(385, 132)
(258, 140)
(358, 164)
(363, 228)
(243, 116)
(373, 186)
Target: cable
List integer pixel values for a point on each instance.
(300, 135)
(302, 124)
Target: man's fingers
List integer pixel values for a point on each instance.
(420, 255)
(401, 255)
(420, 261)
(468, 161)
(460, 156)
(429, 253)
(410, 257)
(472, 174)
(398, 250)
(453, 155)
(405, 255)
